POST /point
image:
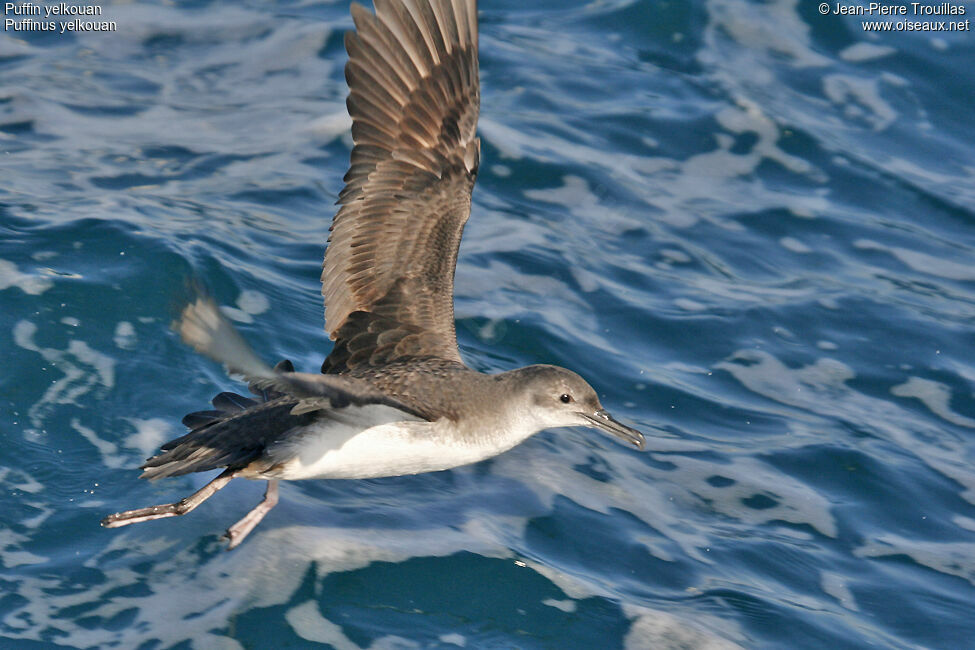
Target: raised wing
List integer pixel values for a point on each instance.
(388, 273)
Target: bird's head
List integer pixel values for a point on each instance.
(558, 397)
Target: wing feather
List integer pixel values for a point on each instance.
(413, 99)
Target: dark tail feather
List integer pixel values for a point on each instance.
(284, 366)
(231, 440)
(199, 419)
(229, 403)
(226, 404)
(265, 394)
(205, 446)
(232, 402)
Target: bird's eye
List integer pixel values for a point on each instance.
(565, 398)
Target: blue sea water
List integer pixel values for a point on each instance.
(751, 226)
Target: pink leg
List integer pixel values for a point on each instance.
(176, 509)
(242, 528)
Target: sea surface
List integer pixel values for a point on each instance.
(750, 226)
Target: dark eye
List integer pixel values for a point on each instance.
(565, 398)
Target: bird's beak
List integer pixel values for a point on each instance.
(604, 421)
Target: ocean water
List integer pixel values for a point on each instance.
(751, 226)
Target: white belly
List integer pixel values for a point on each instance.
(372, 442)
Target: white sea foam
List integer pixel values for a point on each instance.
(860, 52)
(835, 585)
(664, 631)
(568, 605)
(454, 639)
(934, 395)
(125, 337)
(819, 390)
(253, 302)
(107, 449)
(30, 283)
(922, 262)
(950, 558)
(794, 245)
(149, 435)
(308, 622)
(83, 369)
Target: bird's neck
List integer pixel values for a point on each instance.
(496, 419)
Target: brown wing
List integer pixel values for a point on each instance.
(388, 273)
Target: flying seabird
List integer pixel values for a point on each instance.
(394, 396)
